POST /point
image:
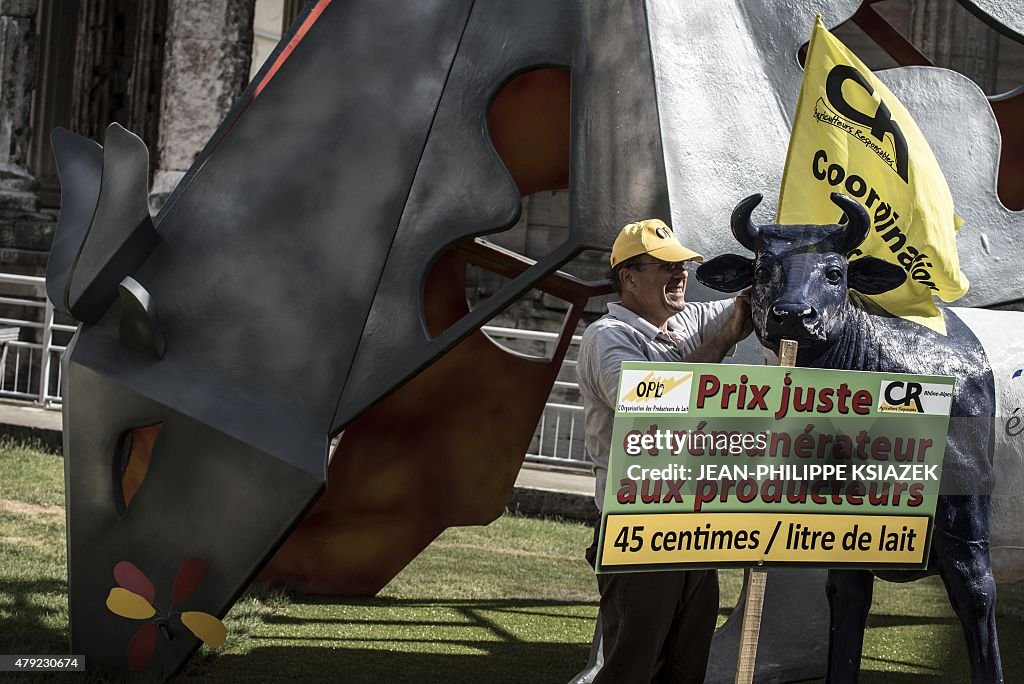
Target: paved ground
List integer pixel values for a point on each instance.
(554, 493)
(559, 480)
(539, 490)
(27, 422)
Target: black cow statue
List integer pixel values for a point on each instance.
(806, 288)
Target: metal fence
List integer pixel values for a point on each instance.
(558, 439)
(31, 344)
(29, 352)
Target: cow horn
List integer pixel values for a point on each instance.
(858, 224)
(745, 232)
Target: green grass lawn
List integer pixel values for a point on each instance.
(511, 602)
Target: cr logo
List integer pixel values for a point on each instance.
(903, 393)
(881, 122)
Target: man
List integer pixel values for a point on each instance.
(656, 626)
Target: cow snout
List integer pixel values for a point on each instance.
(795, 321)
(782, 313)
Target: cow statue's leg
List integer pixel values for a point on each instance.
(849, 600)
(966, 570)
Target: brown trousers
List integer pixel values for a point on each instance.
(656, 626)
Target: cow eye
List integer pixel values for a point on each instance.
(762, 274)
(834, 275)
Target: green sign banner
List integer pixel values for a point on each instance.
(724, 465)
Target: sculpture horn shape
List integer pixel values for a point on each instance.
(745, 232)
(858, 223)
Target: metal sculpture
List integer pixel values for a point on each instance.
(206, 330)
(806, 289)
(282, 291)
(355, 539)
(1007, 107)
(442, 450)
(703, 105)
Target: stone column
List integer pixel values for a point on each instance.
(144, 82)
(52, 99)
(206, 68)
(954, 38)
(17, 79)
(291, 10)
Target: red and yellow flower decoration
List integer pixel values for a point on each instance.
(134, 598)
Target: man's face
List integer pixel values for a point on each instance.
(658, 287)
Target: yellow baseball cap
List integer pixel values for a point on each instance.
(653, 237)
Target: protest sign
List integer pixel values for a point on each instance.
(726, 465)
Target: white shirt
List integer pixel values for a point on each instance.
(622, 335)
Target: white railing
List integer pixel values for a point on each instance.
(30, 370)
(29, 357)
(558, 439)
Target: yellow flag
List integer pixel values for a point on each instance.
(851, 135)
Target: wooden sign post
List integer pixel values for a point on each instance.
(757, 578)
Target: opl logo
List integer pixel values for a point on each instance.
(907, 396)
(643, 391)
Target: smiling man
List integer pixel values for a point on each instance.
(656, 626)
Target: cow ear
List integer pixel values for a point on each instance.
(726, 273)
(871, 276)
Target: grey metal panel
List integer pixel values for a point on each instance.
(139, 328)
(271, 254)
(120, 235)
(618, 166)
(80, 166)
(461, 188)
(727, 79)
(205, 491)
(268, 262)
(968, 152)
(205, 395)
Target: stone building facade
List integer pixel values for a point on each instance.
(169, 70)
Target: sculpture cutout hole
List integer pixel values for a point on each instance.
(1009, 111)
(867, 31)
(525, 328)
(529, 124)
(134, 453)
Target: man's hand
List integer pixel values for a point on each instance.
(742, 322)
(739, 325)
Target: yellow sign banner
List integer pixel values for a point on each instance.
(721, 539)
